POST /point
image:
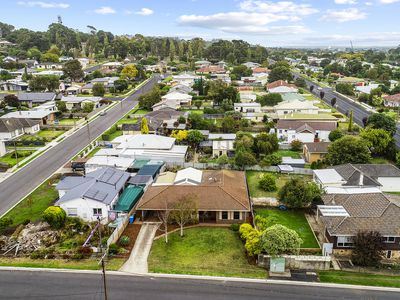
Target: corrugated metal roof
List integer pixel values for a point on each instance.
(129, 198)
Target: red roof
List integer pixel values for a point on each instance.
(211, 69)
(261, 70)
(279, 83)
(392, 98)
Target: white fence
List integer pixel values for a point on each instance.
(118, 231)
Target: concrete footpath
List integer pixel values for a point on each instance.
(137, 262)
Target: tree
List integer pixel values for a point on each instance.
(377, 140)
(271, 99)
(335, 135)
(267, 182)
(165, 217)
(88, 107)
(244, 158)
(179, 135)
(299, 193)
(345, 88)
(223, 159)
(147, 100)
(253, 242)
(279, 239)
(333, 101)
(311, 88)
(244, 230)
(296, 145)
(368, 250)
(198, 103)
(43, 83)
(240, 71)
(271, 160)
(300, 82)
(184, 211)
(129, 72)
(265, 144)
(120, 85)
(11, 100)
(55, 216)
(195, 137)
(219, 90)
(382, 121)
(280, 73)
(73, 69)
(363, 98)
(228, 124)
(322, 94)
(98, 90)
(350, 127)
(50, 57)
(61, 106)
(348, 149)
(144, 128)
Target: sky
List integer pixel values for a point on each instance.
(369, 23)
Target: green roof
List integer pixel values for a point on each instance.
(129, 198)
(292, 97)
(137, 164)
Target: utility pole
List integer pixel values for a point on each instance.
(104, 279)
(16, 153)
(88, 128)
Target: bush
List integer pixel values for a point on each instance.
(267, 183)
(113, 249)
(5, 222)
(223, 159)
(244, 230)
(296, 145)
(235, 227)
(271, 160)
(55, 216)
(299, 193)
(279, 239)
(124, 240)
(253, 243)
(335, 135)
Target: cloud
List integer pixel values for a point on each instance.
(253, 18)
(145, 12)
(345, 1)
(388, 1)
(344, 15)
(105, 10)
(43, 4)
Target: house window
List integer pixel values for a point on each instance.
(389, 239)
(236, 215)
(224, 215)
(97, 212)
(345, 241)
(72, 212)
(389, 254)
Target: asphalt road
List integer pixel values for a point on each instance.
(344, 105)
(28, 178)
(43, 285)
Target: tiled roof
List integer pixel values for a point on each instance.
(321, 147)
(279, 83)
(315, 125)
(392, 98)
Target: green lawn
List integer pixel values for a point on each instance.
(113, 264)
(127, 121)
(115, 134)
(93, 152)
(290, 153)
(253, 177)
(141, 111)
(32, 207)
(50, 133)
(195, 111)
(293, 219)
(203, 251)
(359, 278)
(12, 161)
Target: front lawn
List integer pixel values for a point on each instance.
(203, 251)
(127, 121)
(50, 134)
(11, 159)
(293, 219)
(141, 111)
(32, 207)
(343, 277)
(69, 121)
(253, 177)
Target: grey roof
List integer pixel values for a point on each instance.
(12, 124)
(140, 179)
(319, 147)
(299, 125)
(36, 97)
(370, 172)
(155, 119)
(102, 185)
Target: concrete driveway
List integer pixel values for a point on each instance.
(137, 262)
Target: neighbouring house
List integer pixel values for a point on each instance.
(108, 83)
(141, 180)
(202, 63)
(98, 161)
(289, 97)
(111, 66)
(11, 128)
(313, 152)
(386, 177)
(73, 89)
(296, 106)
(344, 215)
(49, 66)
(250, 111)
(77, 103)
(14, 85)
(352, 80)
(211, 70)
(31, 99)
(293, 162)
(149, 147)
(45, 117)
(281, 87)
(306, 131)
(92, 196)
(366, 89)
(247, 96)
(181, 88)
(251, 65)
(173, 100)
(221, 197)
(9, 59)
(50, 72)
(261, 70)
(187, 79)
(222, 143)
(392, 100)
(84, 62)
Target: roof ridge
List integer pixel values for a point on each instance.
(163, 188)
(222, 188)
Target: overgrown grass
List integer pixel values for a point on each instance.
(32, 207)
(293, 219)
(203, 251)
(359, 278)
(113, 264)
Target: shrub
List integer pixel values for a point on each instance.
(235, 227)
(296, 145)
(5, 222)
(263, 223)
(253, 243)
(113, 249)
(335, 135)
(299, 193)
(124, 240)
(271, 160)
(267, 182)
(244, 230)
(223, 159)
(55, 216)
(279, 239)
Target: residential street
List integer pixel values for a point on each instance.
(54, 285)
(24, 181)
(344, 105)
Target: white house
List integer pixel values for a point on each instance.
(91, 196)
(290, 107)
(385, 177)
(11, 128)
(173, 100)
(43, 116)
(84, 62)
(366, 89)
(306, 131)
(185, 78)
(72, 102)
(97, 162)
(247, 96)
(250, 111)
(222, 143)
(392, 100)
(283, 90)
(251, 65)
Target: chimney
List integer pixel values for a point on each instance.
(361, 179)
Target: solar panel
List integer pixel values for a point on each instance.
(95, 195)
